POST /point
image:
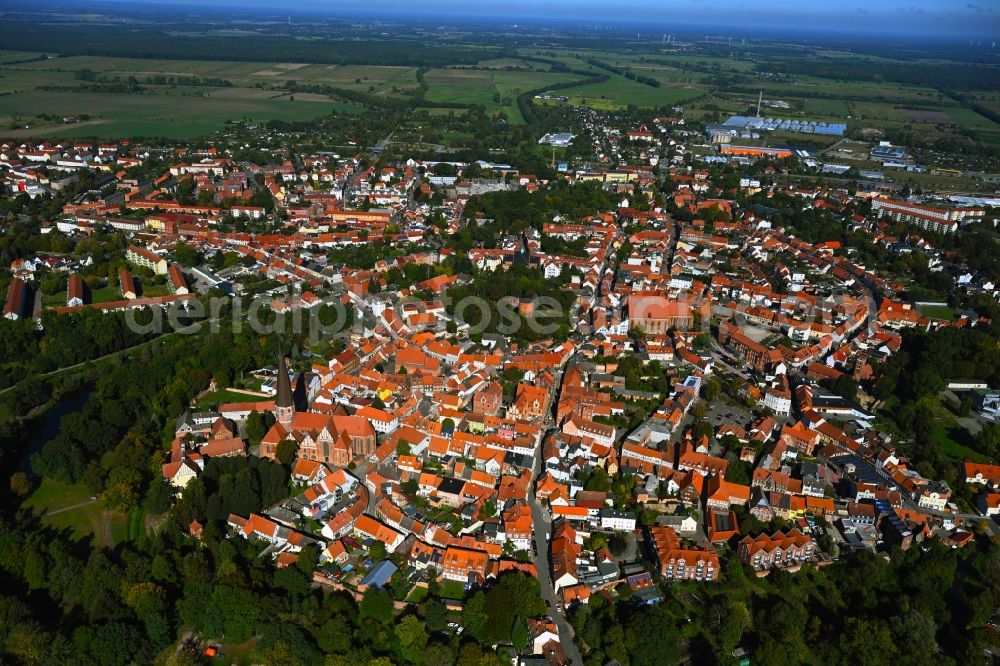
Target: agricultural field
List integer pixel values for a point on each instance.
(485, 87)
(174, 111)
(166, 115)
(515, 63)
(825, 108)
(619, 92)
(810, 87)
(868, 111)
(987, 130)
(34, 95)
(15, 56)
(241, 74)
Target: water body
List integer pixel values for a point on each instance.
(45, 428)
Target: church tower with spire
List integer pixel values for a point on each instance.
(284, 404)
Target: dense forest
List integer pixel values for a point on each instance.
(129, 42)
(948, 75)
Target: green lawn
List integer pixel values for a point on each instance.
(153, 289)
(950, 437)
(452, 589)
(87, 521)
(986, 129)
(53, 495)
(107, 293)
(236, 654)
(937, 312)
(136, 525)
(223, 396)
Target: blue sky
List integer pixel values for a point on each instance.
(980, 18)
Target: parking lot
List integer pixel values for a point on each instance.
(720, 412)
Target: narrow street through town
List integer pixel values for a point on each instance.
(543, 529)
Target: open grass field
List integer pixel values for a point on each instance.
(14, 56)
(501, 63)
(939, 182)
(452, 589)
(988, 130)
(895, 93)
(953, 439)
(619, 92)
(867, 111)
(52, 496)
(219, 397)
(683, 61)
(19, 80)
(475, 86)
(937, 312)
(825, 108)
(70, 508)
(663, 72)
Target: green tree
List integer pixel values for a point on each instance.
(435, 615)
(255, 427)
(412, 636)
(286, 451)
(376, 605)
(121, 493)
(335, 635)
(185, 255)
(438, 654)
